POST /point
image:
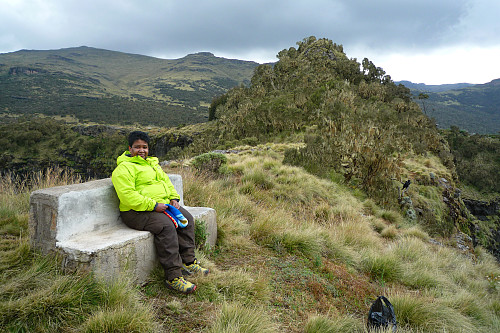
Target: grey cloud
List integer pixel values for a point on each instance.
(228, 26)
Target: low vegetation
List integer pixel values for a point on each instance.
(295, 253)
(473, 108)
(40, 143)
(477, 158)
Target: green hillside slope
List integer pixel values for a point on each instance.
(474, 108)
(433, 87)
(113, 87)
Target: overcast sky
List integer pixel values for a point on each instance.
(423, 41)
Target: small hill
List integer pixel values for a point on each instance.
(113, 87)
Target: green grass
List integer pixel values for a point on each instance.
(319, 324)
(298, 254)
(235, 318)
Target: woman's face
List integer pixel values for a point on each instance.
(139, 148)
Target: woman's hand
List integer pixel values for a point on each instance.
(161, 207)
(175, 203)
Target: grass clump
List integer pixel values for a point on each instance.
(320, 324)
(120, 320)
(237, 285)
(390, 232)
(382, 267)
(390, 216)
(237, 318)
(427, 315)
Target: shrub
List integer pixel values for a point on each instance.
(209, 162)
(173, 153)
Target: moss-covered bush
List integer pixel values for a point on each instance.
(209, 162)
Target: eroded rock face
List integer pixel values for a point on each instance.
(162, 144)
(95, 130)
(484, 211)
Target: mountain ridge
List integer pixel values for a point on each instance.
(72, 81)
(433, 87)
(105, 86)
(473, 108)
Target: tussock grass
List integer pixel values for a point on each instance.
(320, 324)
(120, 320)
(423, 165)
(472, 306)
(415, 231)
(238, 285)
(356, 233)
(411, 249)
(57, 300)
(370, 207)
(303, 240)
(237, 318)
(280, 232)
(336, 249)
(377, 224)
(390, 232)
(266, 228)
(428, 315)
(390, 216)
(383, 267)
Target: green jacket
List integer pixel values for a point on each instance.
(141, 183)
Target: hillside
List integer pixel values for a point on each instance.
(112, 87)
(422, 87)
(295, 253)
(473, 108)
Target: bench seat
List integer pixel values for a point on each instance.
(82, 222)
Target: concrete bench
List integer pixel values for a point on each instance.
(82, 222)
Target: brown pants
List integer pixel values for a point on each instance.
(174, 246)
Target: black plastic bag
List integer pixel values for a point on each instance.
(382, 314)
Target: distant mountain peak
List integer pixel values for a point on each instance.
(204, 53)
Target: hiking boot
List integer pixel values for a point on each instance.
(194, 268)
(181, 285)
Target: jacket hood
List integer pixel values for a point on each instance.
(126, 157)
